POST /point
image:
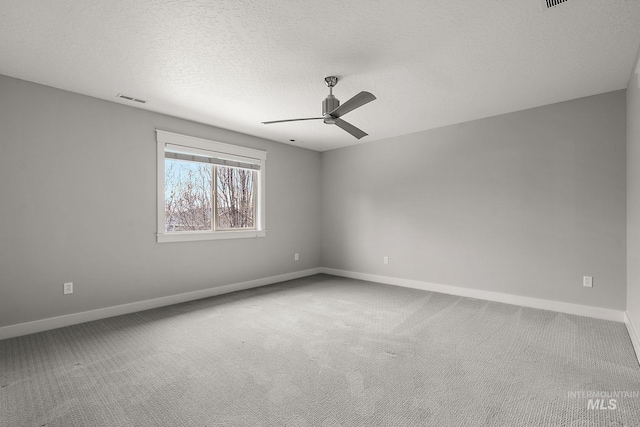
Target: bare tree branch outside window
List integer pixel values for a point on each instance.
(235, 198)
(188, 195)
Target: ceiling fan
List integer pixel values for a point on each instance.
(332, 110)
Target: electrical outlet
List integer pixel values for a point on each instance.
(296, 257)
(587, 281)
(385, 260)
(68, 288)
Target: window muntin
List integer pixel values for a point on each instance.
(208, 190)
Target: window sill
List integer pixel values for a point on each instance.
(190, 236)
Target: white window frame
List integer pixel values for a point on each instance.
(218, 150)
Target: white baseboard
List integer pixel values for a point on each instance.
(635, 338)
(86, 316)
(561, 307)
(102, 313)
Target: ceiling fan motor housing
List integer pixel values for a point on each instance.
(328, 105)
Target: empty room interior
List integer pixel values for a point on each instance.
(296, 213)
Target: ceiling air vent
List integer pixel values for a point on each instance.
(552, 3)
(131, 98)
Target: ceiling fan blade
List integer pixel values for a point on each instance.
(292, 120)
(350, 128)
(357, 101)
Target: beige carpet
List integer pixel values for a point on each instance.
(324, 351)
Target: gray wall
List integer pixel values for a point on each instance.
(633, 199)
(78, 203)
(524, 203)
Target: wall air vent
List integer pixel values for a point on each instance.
(131, 98)
(548, 4)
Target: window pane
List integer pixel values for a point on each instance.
(235, 198)
(187, 195)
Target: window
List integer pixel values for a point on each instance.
(208, 190)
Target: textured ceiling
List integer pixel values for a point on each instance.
(235, 63)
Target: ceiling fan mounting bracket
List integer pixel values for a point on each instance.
(331, 81)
